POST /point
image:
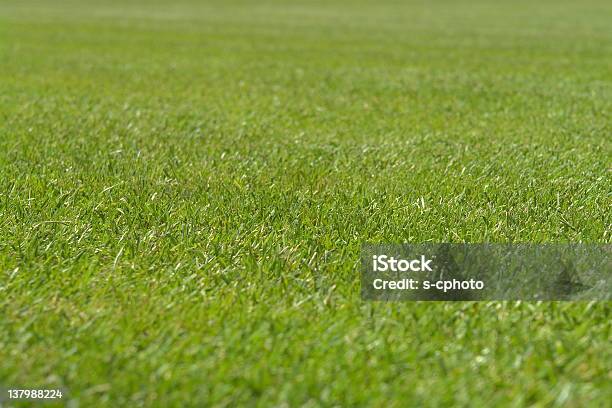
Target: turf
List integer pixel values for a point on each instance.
(185, 188)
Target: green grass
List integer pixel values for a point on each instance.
(185, 188)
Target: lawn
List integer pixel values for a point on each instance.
(185, 188)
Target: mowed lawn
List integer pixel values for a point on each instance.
(185, 188)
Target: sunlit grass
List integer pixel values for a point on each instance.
(184, 190)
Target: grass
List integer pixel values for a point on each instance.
(185, 188)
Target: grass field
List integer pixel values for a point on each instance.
(185, 188)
